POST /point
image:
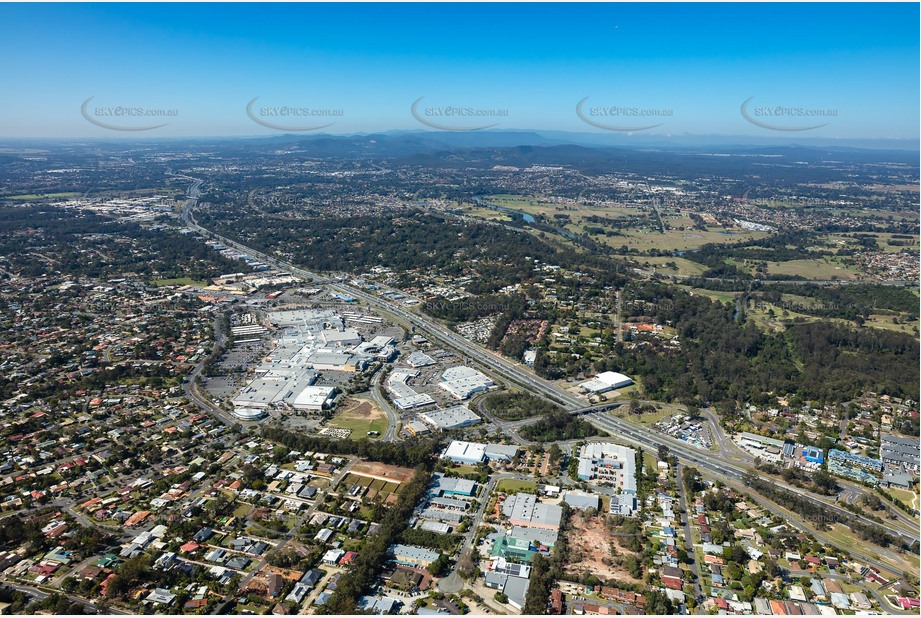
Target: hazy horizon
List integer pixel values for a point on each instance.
(746, 71)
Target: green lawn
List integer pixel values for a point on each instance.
(813, 269)
(682, 266)
(359, 426)
(178, 281)
(511, 486)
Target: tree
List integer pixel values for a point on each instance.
(555, 454)
(440, 566)
(634, 404)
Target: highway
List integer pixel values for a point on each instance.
(715, 463)
(707, 461)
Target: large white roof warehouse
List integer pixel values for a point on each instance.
(463, 381)
(607, 381)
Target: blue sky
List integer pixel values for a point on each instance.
(535, 61)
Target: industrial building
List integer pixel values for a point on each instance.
(525, 511)
(465, 452)
(605, 382)
(473, 452)
(501, 452)
(462, 382)
(418, 428)
(449, 486)
(456, 417)
(581, 500)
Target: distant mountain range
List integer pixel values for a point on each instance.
(405, 143)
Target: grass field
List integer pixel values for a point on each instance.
(841, 241)
(813, 269)
(906, 496)
(648, 419)
(723, 297)
(178, 281)
(762, 318)
(361, 416)
(682, 266)
(511, 486)
(37, 196)
(845, 539)
(678, 240)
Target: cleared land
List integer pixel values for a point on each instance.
(593, 548)
(813, 269)
(377, 471)
(361, 416)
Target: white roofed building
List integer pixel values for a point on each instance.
(604, 382)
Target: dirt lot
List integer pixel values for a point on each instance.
(589, 544)
(361, 416)
(382, 471)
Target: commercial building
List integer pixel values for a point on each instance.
(623, 504)
(609, 464)
(581, 500)
(540, 539)
(249, 414)
(814, 454)
(455, 417)
(418, 428)
(465, 452)
(313, 398)
(474, 452)
(501, 452)
(345, 338)
(525, 511)
(323, 360)
(462, 382)
(448, 486)
(419, 359)
(411, 555)
(605, 382)
(404, 397)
